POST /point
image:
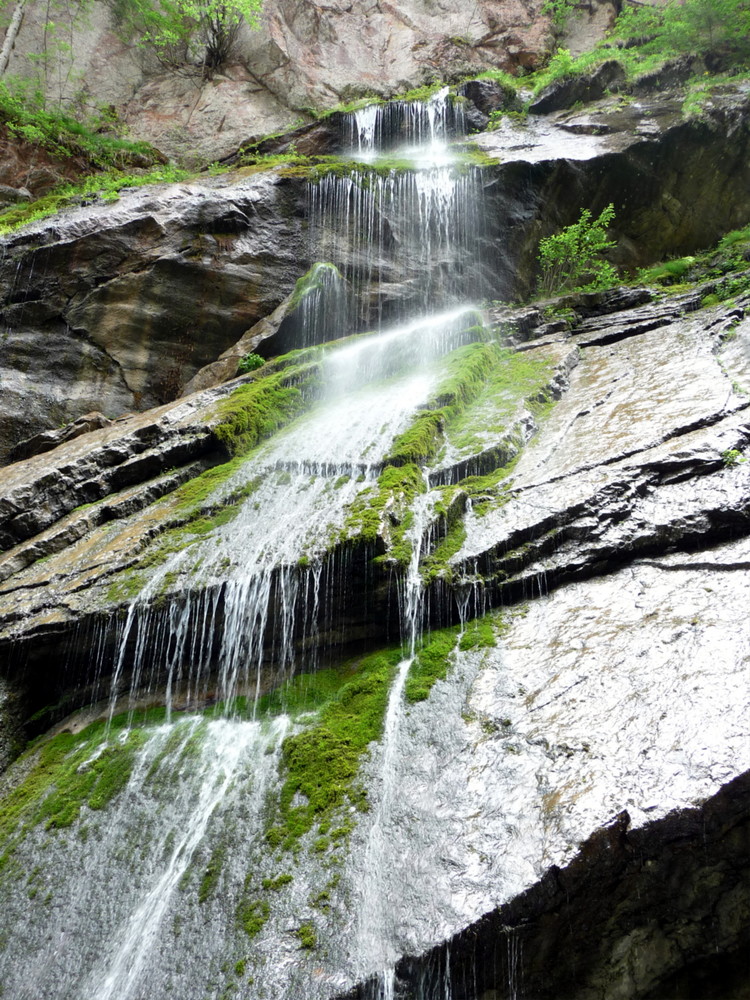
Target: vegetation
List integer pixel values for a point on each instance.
(321, 762)
(25, 116)
(434, 658)
(559, 11)
(732, 457)
(250, 363)
(259, 408)
(307, 936)
(253, 914)
(105, 186)
(573, 257)
(66, 773)
(725, 268)
(693, 26)
(182, 31)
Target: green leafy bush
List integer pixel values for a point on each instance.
(175, 29)
(250, 363)
(573, 257)
(559, 11)
(23, 113)
(693, 26)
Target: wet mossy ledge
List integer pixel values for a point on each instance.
(483, 384)
(333, 719)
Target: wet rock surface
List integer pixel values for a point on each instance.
(117, 293)
(659, 911)
(632, 464)
(616, 548)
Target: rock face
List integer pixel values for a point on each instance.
(378, 48)
(622, 918)
(572, 488)
(118, 292)
(131, 299)
(278, 72)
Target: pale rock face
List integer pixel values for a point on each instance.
(303, 55)
(322, 53)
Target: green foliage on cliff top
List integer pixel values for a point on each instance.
(181, 32)
(688, 26)
(25, 116)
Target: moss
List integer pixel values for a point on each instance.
(465, 372)
(316, 279)
(320, 764)
(307, 935)
(104, 186)
(126, 585)
(67, 772)
(253, 914)
(274, 884)
(430, 664)
(436, 563)
(212, 873)
(259, 408)
(480, 633)
(515, 378)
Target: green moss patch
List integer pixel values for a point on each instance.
(307, 936)
(433, 661)
(253, 914)
(321, 764)
(430, 664)
(515, 378)
(211, 875)
(69, 772)
(258, 409)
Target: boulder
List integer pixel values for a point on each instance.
(564, 93)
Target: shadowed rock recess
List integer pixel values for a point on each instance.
(427, 637)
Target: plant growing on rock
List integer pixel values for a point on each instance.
(573, 257)
(250, 363)
(176, 30)
(694, 26)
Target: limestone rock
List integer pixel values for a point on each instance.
(48, 440)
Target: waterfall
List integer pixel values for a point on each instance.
(406, 224)
(177, 869)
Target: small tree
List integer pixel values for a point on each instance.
(179, 31)
(573, 257)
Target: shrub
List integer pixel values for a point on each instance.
(693, 26)
(250, 363)
(573, 258)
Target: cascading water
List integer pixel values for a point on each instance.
(407, 228)
(225, 618)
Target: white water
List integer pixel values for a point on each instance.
(232, 744)
(306, 477)
(377, 941)
(415, 236)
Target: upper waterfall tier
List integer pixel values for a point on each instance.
(406, 226)
(382, 127)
